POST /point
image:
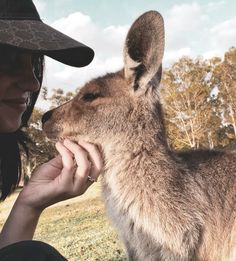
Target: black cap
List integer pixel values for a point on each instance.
(21, 27)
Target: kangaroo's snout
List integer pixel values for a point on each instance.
(46, 116)
(50, 127)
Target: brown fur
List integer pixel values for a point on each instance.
(166, 206)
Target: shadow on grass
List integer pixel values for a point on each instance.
(81, 231)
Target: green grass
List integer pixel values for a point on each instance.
(79, 229)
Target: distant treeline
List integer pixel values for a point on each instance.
(199, 101)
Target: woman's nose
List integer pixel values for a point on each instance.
(28, 80)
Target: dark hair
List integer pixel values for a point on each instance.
(10, 159)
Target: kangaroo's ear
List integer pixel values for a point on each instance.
(143, 51)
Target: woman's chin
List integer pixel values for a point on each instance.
(9, 127)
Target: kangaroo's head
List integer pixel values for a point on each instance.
(119, 105)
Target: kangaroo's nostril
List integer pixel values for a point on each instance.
(46, 116)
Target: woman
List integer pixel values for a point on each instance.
(24, 40)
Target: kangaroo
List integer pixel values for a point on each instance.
(165, 205)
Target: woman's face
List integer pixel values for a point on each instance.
(17, 81)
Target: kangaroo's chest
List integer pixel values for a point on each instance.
(139, 245)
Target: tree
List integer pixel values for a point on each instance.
(58, 97)
(40, 148)
(190, 119)
(224, 78)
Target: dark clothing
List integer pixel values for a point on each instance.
(30, 251)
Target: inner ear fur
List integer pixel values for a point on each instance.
(144, 49)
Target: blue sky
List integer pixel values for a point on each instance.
(193, 28)
(106, 12)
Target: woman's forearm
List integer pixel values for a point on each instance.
(56, 180)
(20, 224)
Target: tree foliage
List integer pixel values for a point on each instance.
(199, 102)
(58, 97)
(40, 148)
(224, 77)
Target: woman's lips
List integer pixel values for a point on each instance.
(15, 101)
(18, 103)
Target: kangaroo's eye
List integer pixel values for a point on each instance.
(88, 97)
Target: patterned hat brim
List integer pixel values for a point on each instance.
(39, 37)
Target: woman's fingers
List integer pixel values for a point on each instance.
(68, 167)
(95, 158)
(67, 156)
(82, 161)
(82, 164)
(56, 162)
(63, 177)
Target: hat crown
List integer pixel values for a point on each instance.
(18, 10)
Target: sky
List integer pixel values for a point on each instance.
(193, 28)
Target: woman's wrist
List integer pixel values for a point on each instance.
(25, 209)
(20, 225)
(24, 202)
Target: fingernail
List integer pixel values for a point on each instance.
(58, 143)
(81, 142)
(66, 141)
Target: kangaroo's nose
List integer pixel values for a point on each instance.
(46, 116)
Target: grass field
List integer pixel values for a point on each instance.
(78, 228)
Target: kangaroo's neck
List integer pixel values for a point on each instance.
(145, 138)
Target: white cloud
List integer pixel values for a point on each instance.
(40, 5)
(73, 22)
(188, 32)
(107, 43)
(174, 55)
(223, 35)
(220, 38)
(181, 24)
(213, 53)
(214, 6)
(69, 78)
(185, 17)
(97, 68)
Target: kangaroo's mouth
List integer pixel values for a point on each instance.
(52, 132)
(55, 136)
(52, 137)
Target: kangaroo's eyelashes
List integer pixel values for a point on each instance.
(88, 97)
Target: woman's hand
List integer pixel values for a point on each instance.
(63, 177)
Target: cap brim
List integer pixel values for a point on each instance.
(38, 37)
